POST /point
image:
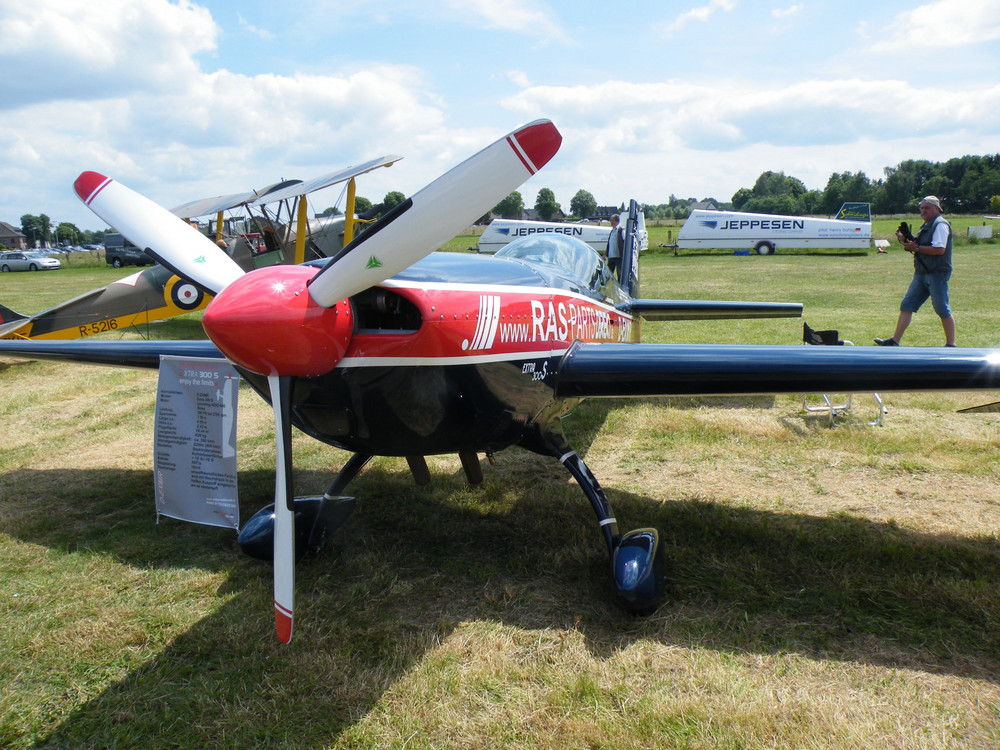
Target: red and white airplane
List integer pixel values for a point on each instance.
(390, 349)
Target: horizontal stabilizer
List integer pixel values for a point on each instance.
(622, 370)
(672, 309)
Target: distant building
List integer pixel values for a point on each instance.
(604, 213)
(11, 237)
(531, 214)
(704, 206)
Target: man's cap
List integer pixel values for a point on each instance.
(932, 200)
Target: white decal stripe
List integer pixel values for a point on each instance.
(440, 361)
(484, 305)
(493, 322)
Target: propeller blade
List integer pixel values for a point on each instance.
(436, 213)
(174, 243)
(284, 516)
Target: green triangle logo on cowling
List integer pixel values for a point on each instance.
(201, 259)
(373, 262)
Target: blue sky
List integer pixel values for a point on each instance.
(183, 100)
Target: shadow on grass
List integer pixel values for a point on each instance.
(413, 562)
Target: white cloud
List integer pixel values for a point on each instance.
(702, 13)
(254, 30)
(782, 13)
(695, 140)
(525, 17)
(945, 23)
(56, 49)
(522, 16)
(119, 90)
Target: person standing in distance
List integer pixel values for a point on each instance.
(616, 243)
(931, 271)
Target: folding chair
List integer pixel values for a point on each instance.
(832, 338)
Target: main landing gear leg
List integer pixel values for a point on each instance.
(637, 557)
(315, 517)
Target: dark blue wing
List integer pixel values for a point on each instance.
(620, 370)
(116, 353)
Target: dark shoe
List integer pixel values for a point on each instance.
(886, 342)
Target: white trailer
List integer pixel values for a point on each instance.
(765, 233)
(501, 231)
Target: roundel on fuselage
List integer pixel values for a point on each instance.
(184, 295)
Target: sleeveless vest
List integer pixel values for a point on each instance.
(932, 263)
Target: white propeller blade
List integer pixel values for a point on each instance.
(284, 517)
(174, 243)
(438, 212)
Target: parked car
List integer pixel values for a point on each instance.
(127, 256)
(118, 252)
(27, 261)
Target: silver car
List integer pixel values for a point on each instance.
(27, 261)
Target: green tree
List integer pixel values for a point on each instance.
(583, 205)
(391, 200)
(511, 207)
(842, 188)
(740, 198)
(778, 183)
(67, 234)
(37, 229)
(545, 204)
(361, 204)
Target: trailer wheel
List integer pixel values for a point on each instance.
(764, 248)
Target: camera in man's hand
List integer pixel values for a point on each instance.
(904, 233)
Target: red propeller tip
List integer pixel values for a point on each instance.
(89, 184)
(537, 143)
(282, 623)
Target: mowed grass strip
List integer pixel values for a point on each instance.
(830, 586)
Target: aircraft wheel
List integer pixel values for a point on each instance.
(638, 568)
(764, 248)
(315, 519)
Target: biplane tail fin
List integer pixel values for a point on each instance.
(9, 316)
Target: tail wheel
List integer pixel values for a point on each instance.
(638, 568)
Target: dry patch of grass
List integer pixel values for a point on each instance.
(829, 587)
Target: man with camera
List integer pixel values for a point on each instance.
(932, 268)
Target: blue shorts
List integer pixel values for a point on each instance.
(924, 285)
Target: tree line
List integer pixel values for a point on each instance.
(966, 184)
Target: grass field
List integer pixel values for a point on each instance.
(830, 586)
